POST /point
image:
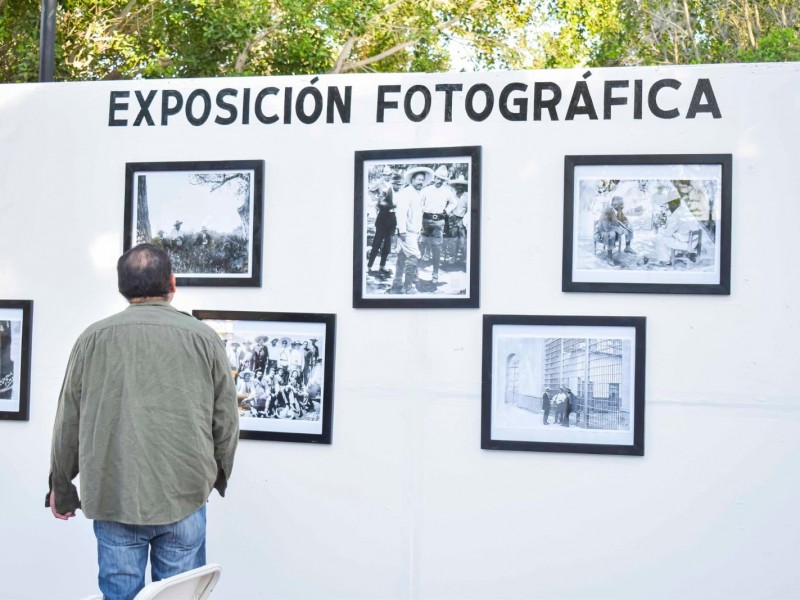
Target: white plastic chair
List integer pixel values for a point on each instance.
(196, 584)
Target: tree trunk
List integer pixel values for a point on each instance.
(690, 30)
(749, 25)
(758, 21)
(142, 212)
(244, 209)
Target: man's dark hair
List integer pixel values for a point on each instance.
(144, 271)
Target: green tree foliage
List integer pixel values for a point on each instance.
(19, 40)
(107, 39)
(652, 32)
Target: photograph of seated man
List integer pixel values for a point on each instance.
(648, 225)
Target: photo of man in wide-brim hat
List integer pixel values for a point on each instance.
(438, 202)
(456, 222)
(426, 172)
(408, 210)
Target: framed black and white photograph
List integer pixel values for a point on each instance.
(653, 223)
(563, 384)
(282, 364)
(417, 228)
(206, 215)
(16, 318)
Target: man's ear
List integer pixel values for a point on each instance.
(172, 285)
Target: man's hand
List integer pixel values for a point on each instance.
(57, 515)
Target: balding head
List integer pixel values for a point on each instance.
(144, 272)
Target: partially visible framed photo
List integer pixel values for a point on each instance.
(16, 318)
(206, 215)
(653, 223)
(282, 364)
(417, 228)
(563, 384)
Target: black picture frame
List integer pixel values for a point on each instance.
(525, 355)
(457, 283)
(222, 245)
(677, 239)
(16, 322)
(284, 417)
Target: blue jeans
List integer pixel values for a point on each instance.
(122, 552)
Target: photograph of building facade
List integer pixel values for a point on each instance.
(588, 373)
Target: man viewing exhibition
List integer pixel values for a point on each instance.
(147, 415)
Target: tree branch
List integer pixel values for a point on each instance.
(241, 58)
(669, 22)
(758, 20)
(351, 41)
(390, 7)
(344, 68)
(115, 24)
(346, 50)
(688, 18)
(750, 34)
(217, 181)
(118, 22)
(378, 57)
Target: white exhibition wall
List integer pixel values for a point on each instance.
(404, 503)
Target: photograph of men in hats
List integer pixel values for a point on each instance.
(647, 225)
(209, 215)
(416, 224)
(279, 382)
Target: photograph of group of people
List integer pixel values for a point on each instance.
(279, 371)
(656, 223)
(416, 227)
(561, 402)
